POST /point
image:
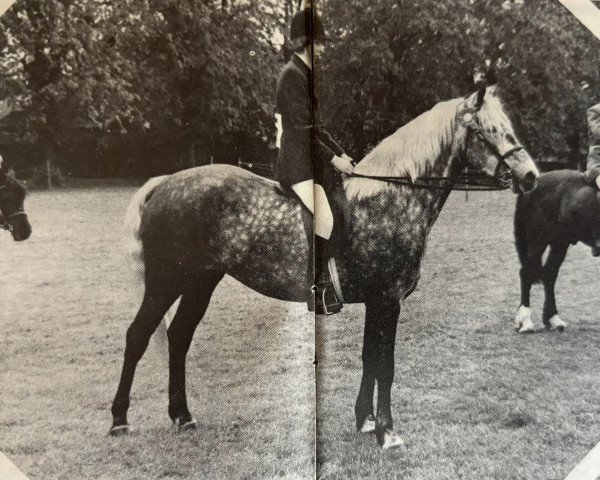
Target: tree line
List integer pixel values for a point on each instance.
(108, 88)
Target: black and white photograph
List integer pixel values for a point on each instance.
(300, 239)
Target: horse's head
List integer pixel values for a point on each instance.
(12, 213)
(491, 144)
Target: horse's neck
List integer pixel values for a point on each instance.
(449, 168)
(424, 203)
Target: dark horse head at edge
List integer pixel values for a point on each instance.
(12, 212)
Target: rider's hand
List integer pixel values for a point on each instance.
(343, 164)
(598, 181)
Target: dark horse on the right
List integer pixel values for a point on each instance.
(561, 210)
(196, 226)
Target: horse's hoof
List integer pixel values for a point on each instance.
(555, 323)
(523, 319)
(368, 425)
(526, 326)
(391, 440)
(119, 431)
(185, 426)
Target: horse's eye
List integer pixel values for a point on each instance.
(510, 138)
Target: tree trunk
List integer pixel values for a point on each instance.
(49, 172)
(191, 152)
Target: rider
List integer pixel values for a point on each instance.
(306, 148)
(592, 172)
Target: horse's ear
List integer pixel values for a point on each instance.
(480, 96)
(475, 100)
(490, 77)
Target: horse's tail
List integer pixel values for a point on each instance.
(135, 249)
(521, 239)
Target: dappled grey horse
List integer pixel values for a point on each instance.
(197, 225)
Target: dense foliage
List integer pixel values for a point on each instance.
(136, 87)
(395, 58)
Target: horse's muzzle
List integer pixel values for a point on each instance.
(524, 172)
(20, 228)
(529, 182)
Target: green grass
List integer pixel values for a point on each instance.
(472, 398)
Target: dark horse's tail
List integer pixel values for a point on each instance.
(521, 239)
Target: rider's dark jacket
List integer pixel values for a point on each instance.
(593, 160)
(306, 147)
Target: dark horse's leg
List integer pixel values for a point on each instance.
(556, 256)
(378, 365)
(531, 271)
(194, 303)
(158, 298)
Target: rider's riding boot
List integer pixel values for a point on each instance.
(307, 221)
(326, 300)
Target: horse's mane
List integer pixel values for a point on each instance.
(410, 151)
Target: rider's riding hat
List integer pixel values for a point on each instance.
(307, 27)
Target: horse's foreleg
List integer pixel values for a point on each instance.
(555, 259)
(382, 314)
(194, 303)
(529, 273)
(363, 409)
(154, 306)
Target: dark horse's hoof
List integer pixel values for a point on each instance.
(182, 425)
(368, 425)
(119, 431)
(389, 439)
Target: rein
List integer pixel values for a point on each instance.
(434, 183)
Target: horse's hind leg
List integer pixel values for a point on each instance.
(556, 256)
(157, 301)
(194, 303)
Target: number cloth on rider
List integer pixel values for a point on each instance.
(593, 161)
(298, 160)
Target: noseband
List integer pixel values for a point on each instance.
(6, 225)
(468, 121)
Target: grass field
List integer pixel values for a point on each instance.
(472, 398)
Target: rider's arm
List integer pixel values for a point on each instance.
(325, 138)
(298, 113)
